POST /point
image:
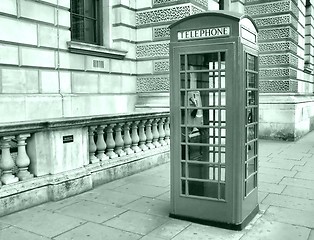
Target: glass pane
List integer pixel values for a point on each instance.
(251, 97)
(90, 8)
(251, 115)
(222, 60)
(222, 174)
(183, 134)
(222, 98)
(182, 95)
(198, 80)
(182, 80)
(183, 152)
(222, 80)
(251, 62)
(90, 31)
(213, 172)
(77, 7)
(198, 135)
(203, 61)
(183, 188)
(222, 191)
(183, 116)
(213, 79)
(223, 155)
(77, 28)
(198, 171)
(183, 170)
(195, 153)
(251, 150)
(251, 133)
(203, 189)
(251, 80)
(250, 167)
(250, 184)
(182, 62)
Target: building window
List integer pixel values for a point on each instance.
(85, 21)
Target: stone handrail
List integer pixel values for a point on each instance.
(104, 137)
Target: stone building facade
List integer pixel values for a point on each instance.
(47, 73)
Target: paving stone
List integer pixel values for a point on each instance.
(142, 190)
(277, 165)
(290, 154)
(270, 187)
(52, 206)
(136, 222)
(299, 192)
(91, 211)
(151, 180)
(269, 230)
(261, 195)
(3, 225)
(309, 162)
(298, 182)
(42, 222)
(202, 232)
(304, 169)
(150, 206)
(110, 197)
(277, 172)
(311, 237)
(151, 238)
(288, 215)
(14, 233)
(169, 229)
(289, 202)
(269, 178)
(305, 175)
(97, 232)
(165, 196)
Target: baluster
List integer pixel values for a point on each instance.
(135, 137)
(101, 144)
(167, 130)
(119, 141)
(142, 135)
(6, 162)
(127, 139)
(92, 146)
(110, 142)
(161, 131)
(22, 160)
(155, 133)
(149, 134)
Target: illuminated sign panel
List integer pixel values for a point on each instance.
(204, 33)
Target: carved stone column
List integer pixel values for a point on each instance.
(101, 144)
(156, 133)
(22, 160)
(142, 136)
(92, 146)
(161, 132)
(135, 137)
(167, 130)
(149, 134)
(119, 140)
(127, 139)
(110, 142)
(6, 162)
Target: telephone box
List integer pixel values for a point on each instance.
(214, 119)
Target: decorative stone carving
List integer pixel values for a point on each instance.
(161, 15)
(153, 84)
(161, 32)
(278, 86)
(152, 50)
(161, 66)
(274, 7)
(277, 46)
(277, 72)
(273, 20)
(278, 59)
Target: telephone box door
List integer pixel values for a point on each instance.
(203, 162)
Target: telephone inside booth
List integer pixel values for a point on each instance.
(214, 118)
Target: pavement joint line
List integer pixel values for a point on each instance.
(26, 230)
(70, 229)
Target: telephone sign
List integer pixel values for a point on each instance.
(214, 119)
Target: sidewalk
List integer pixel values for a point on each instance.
(137, 207)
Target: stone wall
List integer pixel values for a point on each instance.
(41, 77)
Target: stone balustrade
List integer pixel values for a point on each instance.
(37, 149)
